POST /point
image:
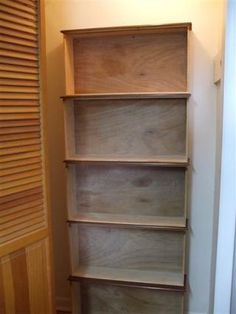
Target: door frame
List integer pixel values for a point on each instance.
(224, 298)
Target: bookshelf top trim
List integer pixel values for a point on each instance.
(127, 30)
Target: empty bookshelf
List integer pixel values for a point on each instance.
(127, 167)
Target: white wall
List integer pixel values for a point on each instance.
(207, 19)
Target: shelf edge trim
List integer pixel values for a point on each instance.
(132, 284)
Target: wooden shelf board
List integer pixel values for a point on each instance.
(132, 221)
(171, 280)
(162, 162)
(93, 96)
(128, 30)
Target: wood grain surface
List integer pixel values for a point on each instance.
(130, 128)
(100, 299)
(130, 190)
(151, 279)
(131, 63)
(25, 266)
(24, 281)
(131, 221)
(21, 168)
(140, 95)
(133, 29)
(141, 250)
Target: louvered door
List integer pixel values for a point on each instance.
(25, 279)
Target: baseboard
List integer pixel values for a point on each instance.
(63, 304)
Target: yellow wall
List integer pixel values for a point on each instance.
(207, 19)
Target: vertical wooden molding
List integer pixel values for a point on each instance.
(44, 135)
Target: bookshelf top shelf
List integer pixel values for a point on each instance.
(93, 96)
(128, 30)
(170, 280)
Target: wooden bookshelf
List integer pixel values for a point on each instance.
(127, 167)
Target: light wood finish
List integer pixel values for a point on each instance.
(25, 271)
(69, 65)
(102, 128)
(16, 12)
(135, 221)
(19, 111)
(37, 262)
(127, 190)
(137, 250)
(126, 96)
(8, 294)
(25, 281)
(23, 242)
(147, 278)
(164, 161)
(132, 63)
(19, 7)
(69, 121)
(123, 53)
(127, 163)
(100, 299)
(124, 30)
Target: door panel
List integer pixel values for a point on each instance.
(24, 281)
(25, 245)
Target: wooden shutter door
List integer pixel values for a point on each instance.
(25, 272)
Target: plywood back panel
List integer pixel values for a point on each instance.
(100, 299)
(131, 63)
(130, 249)
(137, 190)
(130, 128)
